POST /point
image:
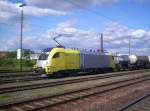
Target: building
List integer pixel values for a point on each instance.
(26, 53)
(3, 54)
(34, 56)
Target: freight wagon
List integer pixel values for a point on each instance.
(132, 62)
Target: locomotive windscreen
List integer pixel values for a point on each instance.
(43, 56)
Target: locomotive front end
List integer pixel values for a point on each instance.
(41, 63)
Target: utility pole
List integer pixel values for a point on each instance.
(129, 44)
(101, 39)
(21, 34)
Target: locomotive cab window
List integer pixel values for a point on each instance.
(56, 55)
(43, 56)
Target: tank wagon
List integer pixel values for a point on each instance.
(122, 62)
(132, 62)
(55, 60)
(137, 62)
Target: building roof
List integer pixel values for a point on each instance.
(3, 54)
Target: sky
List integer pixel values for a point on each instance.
(79, 22)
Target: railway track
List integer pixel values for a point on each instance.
(18, 74)
(29, 76)
(17, 77)
(40, 103)
(62, 82)
(141, 104)
(14, 71)
(23, 74)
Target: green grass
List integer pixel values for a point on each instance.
(11, 64)
(6, 95)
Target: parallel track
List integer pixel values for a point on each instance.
(14, 80)
(29, 76)
(40, 103)
(13, 71)
(19, 74)
(138, 104)
(4, 75)
(18, 77)
(62, 82)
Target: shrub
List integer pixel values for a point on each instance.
(12, 63)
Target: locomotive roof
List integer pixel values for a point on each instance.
(92, 52)
(47, 49)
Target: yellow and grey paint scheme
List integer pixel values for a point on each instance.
(61, 59)
(112, 62)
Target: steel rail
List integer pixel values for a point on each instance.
(130, 104)
(81, 93)
(15, 77)
(62, 82)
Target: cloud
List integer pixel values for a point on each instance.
(70, 36)
(116, 38)
(140, 33)
(34, 11)
(67, 23)
(79, 38)
(68, 4)
(11, 11)
(6, 16)
(10, 44)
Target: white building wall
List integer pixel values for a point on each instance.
(18, 53)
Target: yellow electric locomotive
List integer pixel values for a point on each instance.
(58, 60)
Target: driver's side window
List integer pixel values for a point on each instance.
(56, 55)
